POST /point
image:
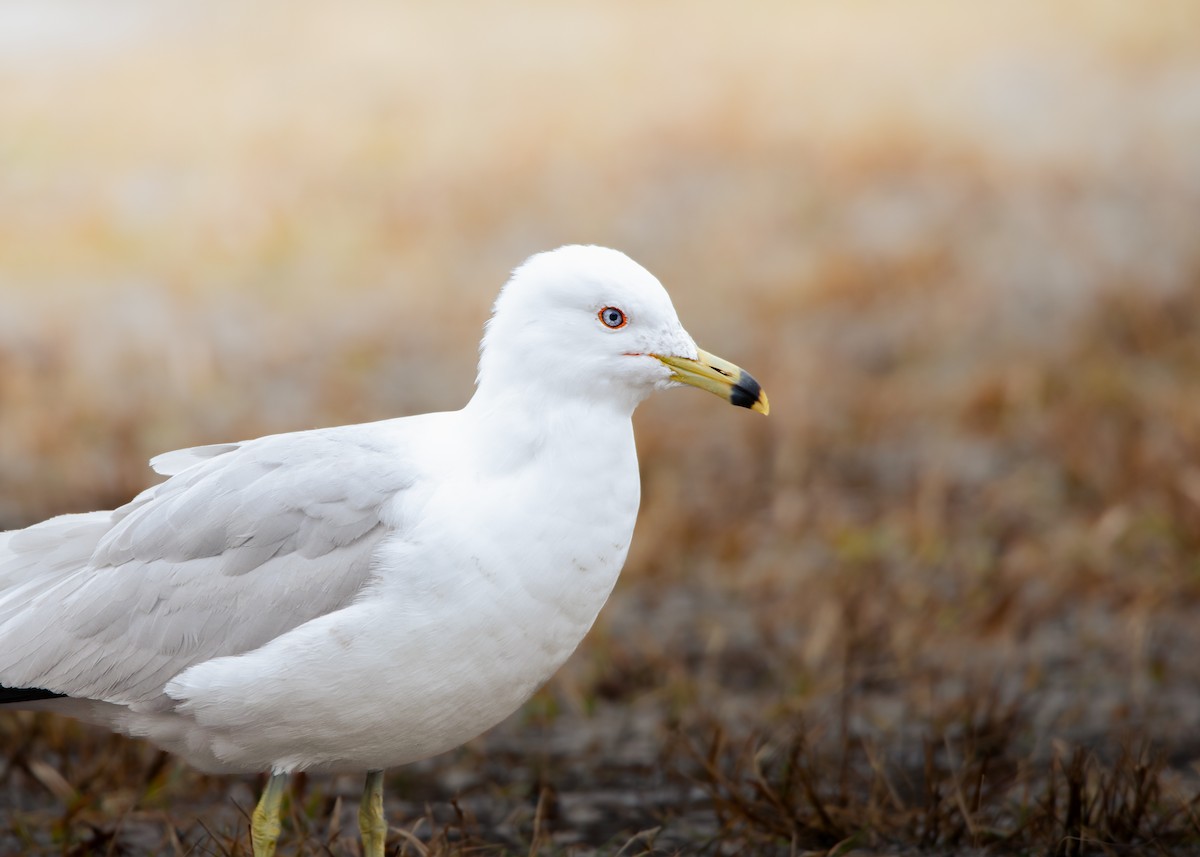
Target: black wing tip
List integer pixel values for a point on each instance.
(10, 695)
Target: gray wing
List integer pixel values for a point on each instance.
(244, 543)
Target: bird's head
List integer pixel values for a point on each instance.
(589, 321)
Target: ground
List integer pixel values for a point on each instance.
(941, 601)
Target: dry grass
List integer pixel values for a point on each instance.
(942, 600)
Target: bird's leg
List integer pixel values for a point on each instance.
(264, 824)
(371, 823)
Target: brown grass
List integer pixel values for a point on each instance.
(942, 601)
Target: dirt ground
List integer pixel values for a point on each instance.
(942, 601)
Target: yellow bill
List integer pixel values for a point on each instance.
(720, 377)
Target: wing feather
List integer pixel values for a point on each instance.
(244, 543)
(176, 461)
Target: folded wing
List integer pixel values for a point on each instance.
(242, 544)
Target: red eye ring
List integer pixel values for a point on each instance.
(612, 318)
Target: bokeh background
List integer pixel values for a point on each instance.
(945, 596)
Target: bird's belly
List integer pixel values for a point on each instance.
(458, 681)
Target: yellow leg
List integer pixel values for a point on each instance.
(264, 824)
(371, 823)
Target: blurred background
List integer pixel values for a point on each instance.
(959, 244)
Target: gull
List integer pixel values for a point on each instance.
(354, 598)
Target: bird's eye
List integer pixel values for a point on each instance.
(613, 317)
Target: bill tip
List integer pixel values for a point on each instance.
(748, 393)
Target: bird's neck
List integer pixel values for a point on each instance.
(517, 426)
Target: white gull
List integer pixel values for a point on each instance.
(354, 598)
